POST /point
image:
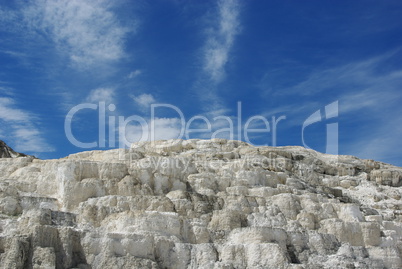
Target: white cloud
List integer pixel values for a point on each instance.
(164, 128)
(18, 126)
(86, 30)
(356, 85)
(362, 100)
(30, 139)
(381, 142)
(134, 74)
(220, 39)
(201, 127)
(6, 90)
(369, 98)
(14, 53)
(144, 100)
(8, 113)
(352, 77)
(23, 132)
(101, 95)
(217, 113)
(221, 32)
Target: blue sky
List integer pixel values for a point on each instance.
(277, 58)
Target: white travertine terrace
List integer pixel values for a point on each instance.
(200, 204)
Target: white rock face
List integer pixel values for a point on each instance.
(200, 204)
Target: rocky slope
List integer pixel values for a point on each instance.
(200, 204)
(7, 152)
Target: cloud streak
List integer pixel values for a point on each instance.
(20, 128)
(352, 77)
(362, 85)
(220, 39)
(220, 34)
(382, 141)
(368, 93)
(87, 31)
(134, 74)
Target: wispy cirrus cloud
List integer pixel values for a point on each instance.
(381, 140)
(20, 128)
(85, 30)
(365, 84)
(220, 39)
(4, 90)
(354, 77)
(220, 34)
(134, 74)
(9, 113)
(368, 93)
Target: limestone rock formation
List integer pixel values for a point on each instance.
(7, 152)
(200, 204)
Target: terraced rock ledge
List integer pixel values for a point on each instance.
(200, 204)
